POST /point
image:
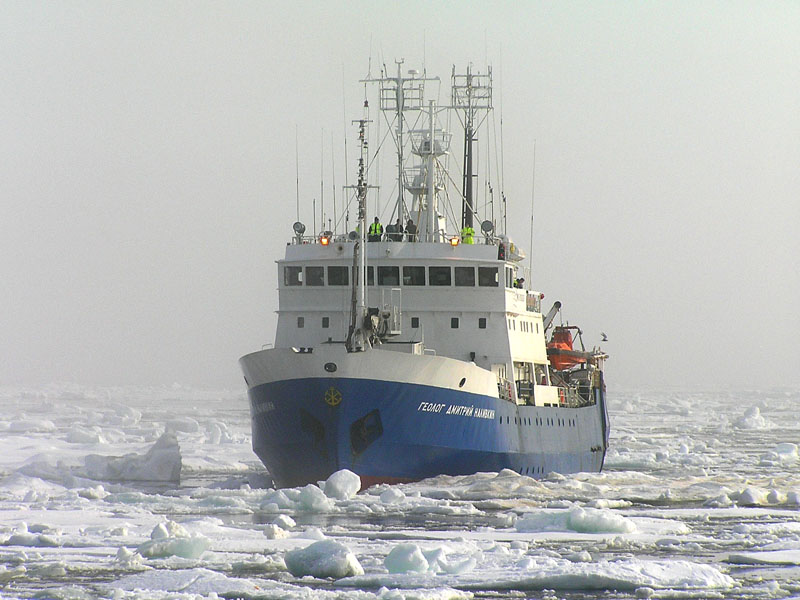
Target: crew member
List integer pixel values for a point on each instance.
(519, 283)
(375, 232)
(411, 231)
(395, 232)
(390, 232)
(467, 234)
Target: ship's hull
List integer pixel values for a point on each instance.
(426, 416)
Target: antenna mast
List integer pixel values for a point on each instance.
(470, 92)
(356, 337)
(399, 94)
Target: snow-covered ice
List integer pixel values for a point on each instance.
(132, 493)
(325, 558)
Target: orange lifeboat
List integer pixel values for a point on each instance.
(560, 351)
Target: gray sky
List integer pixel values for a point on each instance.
(147, 173)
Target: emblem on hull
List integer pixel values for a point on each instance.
(333, 397)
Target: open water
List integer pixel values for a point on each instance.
(700, 498)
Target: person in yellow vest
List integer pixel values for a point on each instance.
(375, 232)
(467, 235)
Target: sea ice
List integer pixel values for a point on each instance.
(773, 557)
(275, 532)
(32, 426)
(783, 455)
(284, 521)
(751, 419)
(326, 558)
(185, 547)
(752, 497)
(7, 574)
(84, 435)
(168, 529)
(172, 539)
(392, 495)
(276, 500)
(128, 559)
(405, 558)
(183, 425)
(162, 462)
(342, 485)
(582, 520)
(313, 499)
(545, 572)
(22, 536)
(192, 582)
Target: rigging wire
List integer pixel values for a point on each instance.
(533, 196)
(296, 173)
(344, 128)
(333, 184)
(322, 177)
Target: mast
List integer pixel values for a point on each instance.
(471, 92)
(429, 184)
(397, 95)
(356, 339)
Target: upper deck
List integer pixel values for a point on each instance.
(459, 300)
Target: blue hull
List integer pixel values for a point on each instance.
(306, 429)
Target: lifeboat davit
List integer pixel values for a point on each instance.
(560, 351)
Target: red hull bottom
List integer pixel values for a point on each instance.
(368, 481)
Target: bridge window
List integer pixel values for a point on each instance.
(292, 275)
(413, 275)
(370, 275)
(487, 276)
(453, 322)
(465, 276)
(315, 275)
(301, 322)
(337, 276)
(326, 322)
(388, 275)
(439, 275)
(414, 322)
(482, 323)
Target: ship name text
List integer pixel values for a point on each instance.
(458, 410)
(264, 407)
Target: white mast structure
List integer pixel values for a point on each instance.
(398, 95)
(357, 338)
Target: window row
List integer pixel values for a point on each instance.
(524, 326)
(454, 322)
(412, 276)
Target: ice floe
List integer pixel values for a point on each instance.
(172, 539)
(752, 419)
(342, 485)
(322, 559)
(773, 557)
(162, 462)
(544, 572)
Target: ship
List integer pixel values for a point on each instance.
(420, 348)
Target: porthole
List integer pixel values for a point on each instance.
(330, 367)
(462, 382)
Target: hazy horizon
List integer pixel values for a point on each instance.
(148, 174)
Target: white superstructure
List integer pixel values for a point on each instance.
(454, 301)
